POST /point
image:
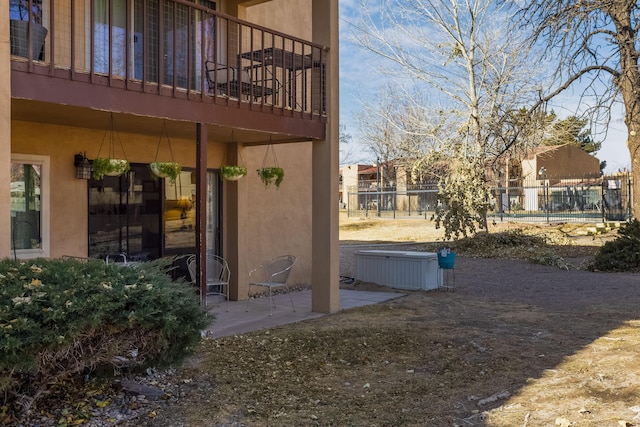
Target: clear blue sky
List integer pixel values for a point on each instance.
(359, 82)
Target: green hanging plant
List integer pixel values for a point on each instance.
(166, 169)
(103, 166)
(169, 170)
(110, 165)
(269, 175)
(233, 173)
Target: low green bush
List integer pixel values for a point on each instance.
(622, 253)
(59, 318)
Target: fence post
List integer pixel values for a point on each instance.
(629, 205)
(602, 199)
(546, 199)
(393, 203)
(366, 207)
(348, 204)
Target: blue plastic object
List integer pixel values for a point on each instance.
(447, 260)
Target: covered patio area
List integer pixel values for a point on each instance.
(237, 320)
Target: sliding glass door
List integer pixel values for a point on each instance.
(110, 37)
(125, 216)
(139, 217)
(182, 36)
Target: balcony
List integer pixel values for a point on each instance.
(117, 54)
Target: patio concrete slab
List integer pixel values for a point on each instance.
(237, 320)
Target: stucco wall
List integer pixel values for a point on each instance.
(292, 17)
(349, 183)
(69, 210)
(567, 161)
(5, 132)
(277, 221)
(570, 160)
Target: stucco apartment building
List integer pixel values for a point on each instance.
(555, 166)
(202, 82)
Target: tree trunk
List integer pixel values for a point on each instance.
(627, 82)
(633, 142)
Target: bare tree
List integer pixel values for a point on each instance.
(476, 74)
(378, 132)
(347, 149)
(396, 128)
(596, 44)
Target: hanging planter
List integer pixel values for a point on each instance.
(230, 172)
(111, 165)
(169, 169)
(233, 173)
(271, 174)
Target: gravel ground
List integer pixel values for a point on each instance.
(520, 281)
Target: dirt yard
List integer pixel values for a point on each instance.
(516, 344)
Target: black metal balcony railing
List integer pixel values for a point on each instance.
(172, 48)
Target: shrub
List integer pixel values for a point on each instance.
(61, 317)
(621, 254)
(499, 243)
(512, 244)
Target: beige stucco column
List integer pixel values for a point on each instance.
(5, 133)
(326, 251)
(235, 234)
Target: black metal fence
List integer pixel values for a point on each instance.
(607, 198)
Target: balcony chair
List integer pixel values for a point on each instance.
(273, 274)
(218, 275)
(233, 82)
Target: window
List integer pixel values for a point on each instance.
(29, 206)
(19, 10)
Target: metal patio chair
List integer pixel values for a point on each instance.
(272, 274)
(234, 82)
(218, 275)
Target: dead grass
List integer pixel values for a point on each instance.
(427, 359)
(375, 230)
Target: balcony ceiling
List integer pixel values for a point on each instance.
(67, 115)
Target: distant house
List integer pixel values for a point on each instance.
(552, 166)
(517, 180)
(363, 178)
(559, 162)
